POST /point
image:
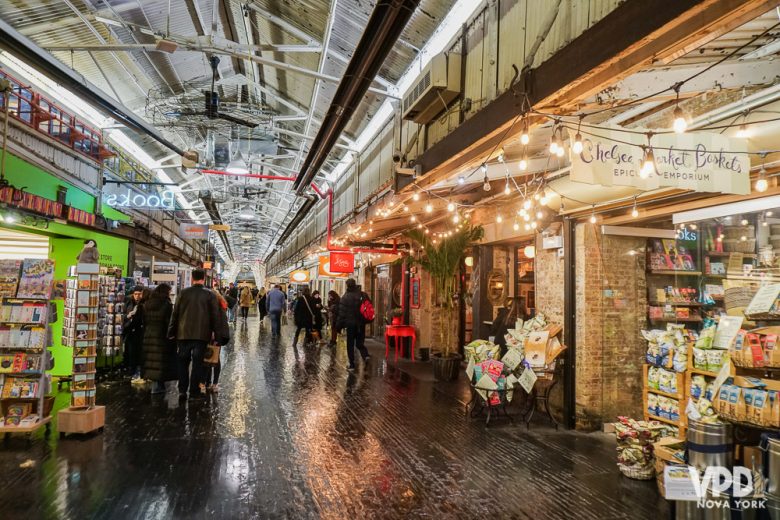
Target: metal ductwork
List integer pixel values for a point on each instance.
(44, 62)
(385, 26)
(213, 211)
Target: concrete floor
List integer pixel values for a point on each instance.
(292, 435)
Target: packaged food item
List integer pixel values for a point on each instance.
(652, 404)
(714, 359)
(680, 360)
(652, 377)
(721, 403)
(664, 407)
(699, 358)
(774, 402)
(674, 410)
(667, 381)
(762, 412)
(771, 352)
(709, 391)
(737, 404)
(748, 397)
(738, 348)
(706, 337)
(697, 387)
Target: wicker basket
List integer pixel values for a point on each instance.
(739, 231)
(736, 245)
(737, 297)
(638, 472)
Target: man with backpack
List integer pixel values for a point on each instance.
(355, 311)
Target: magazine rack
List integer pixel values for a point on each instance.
(478, 406)
(25, 335)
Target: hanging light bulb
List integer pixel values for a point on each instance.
(461, 180)
(540, 215)
(450, 207)
(576, 147)
(543, 200)
(499, 219)
(522, 212)
(761, 183)
(413, 218)
(523, 164)
(679, 124)
(419, 226)
(526, 204)
(527, 227)
(553, 145)
(533, 225)
(593, 215)
(743, 132)
(507, 189)
(559, 151)
(456, 218)
(429, 208)
(634, 210)
(500, 155)
(524, 137)
(527, 217)
(406, 209)
(416, 196)
(483, 168)
(516, 226)
(536, 196)
(486, 184)
(648, 163)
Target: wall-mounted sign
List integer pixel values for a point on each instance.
(194, 231)
(219, 227)
(695, 161)
(341, 262)
(299, 276)
(118, 196)
(324, 268)
(207, 265)
(414, 293)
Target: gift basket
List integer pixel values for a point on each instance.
(635, 446)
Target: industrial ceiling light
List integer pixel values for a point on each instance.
(237, 166)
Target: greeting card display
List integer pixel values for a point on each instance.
(36, 280)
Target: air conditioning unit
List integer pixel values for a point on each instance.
(435, 88)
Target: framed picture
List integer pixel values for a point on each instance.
(414, 293)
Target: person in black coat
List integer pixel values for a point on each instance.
(133, 334)
(160, 363)
(319, 321)
(351, 320)
(303, 315)
(333, 315)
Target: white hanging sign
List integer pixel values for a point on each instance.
(697, 161)
(135, 198)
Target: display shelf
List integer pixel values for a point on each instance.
(679, 423)
(696, 319)
(674, 272)
(678, 396)
(26, 429)
(676, 304)
(729, 253)
(701, 372)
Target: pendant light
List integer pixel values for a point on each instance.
(237, 166)
(761, 183)
(524, 138)
(576, 147)
(679, 124)
(592, 218)
(634, 210)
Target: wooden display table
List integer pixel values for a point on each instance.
(81, 420)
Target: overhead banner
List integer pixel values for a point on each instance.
(194, 231)
(219, 227)
(324, 269)
(342, 262)
(696, 161)
(138, 196)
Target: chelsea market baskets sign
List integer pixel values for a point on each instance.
(693, 161)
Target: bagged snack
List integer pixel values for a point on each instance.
(748, 397)
(697, 387)
(738, 348)
(705, 338)
(762, 412)
(721, 403)
(667, 381)
(680, 360)
(664, 407)
(700, 358)
(652, 377)
(709, 391)
(774, 401)
(652, 404)
(771, 352)
(714, 359)
(674, 410)
(737, 404)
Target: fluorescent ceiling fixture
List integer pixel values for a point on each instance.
(725, 210)
(766, 50)
(56, 92)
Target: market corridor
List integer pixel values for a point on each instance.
(291, 435)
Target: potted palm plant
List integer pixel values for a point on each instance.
(442, 262)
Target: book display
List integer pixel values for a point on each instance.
(81, 332)
(25, 314)
(110, 316)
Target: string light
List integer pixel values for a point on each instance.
(516, 226)
(450, 207)
(416, 196)
(593, 214)
(648, 163)
(576, 147)
(761, 183)
(456, 218)
(524, 138)
(533, 225)
(499, 219)
(500, 155)
(679, 124)
(635, 211)
(486, 184)
(461, 180)
(523, 164)
(540, 215)
(413, 218)
(484, 168)
(507, 189)
(742, 132)
(429, 208)
(543, 200)
(406, 209)
(526, 204)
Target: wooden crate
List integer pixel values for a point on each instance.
(81, 420)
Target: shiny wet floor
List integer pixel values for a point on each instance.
(293, 435)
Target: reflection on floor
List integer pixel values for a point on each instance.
(292, 435)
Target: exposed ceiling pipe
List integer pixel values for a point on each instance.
(26, 50)
(382, 31)
(213, 211)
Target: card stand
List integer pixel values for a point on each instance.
(26, 313)
(82, 333)
(110, 318)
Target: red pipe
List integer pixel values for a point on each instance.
(249, 175)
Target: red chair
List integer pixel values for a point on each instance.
(399, 331)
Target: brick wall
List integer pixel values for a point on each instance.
(611, 309)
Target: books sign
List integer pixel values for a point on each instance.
(324, 268)
(705, 162)
(342, 262)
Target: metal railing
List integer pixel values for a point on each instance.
(35, 111)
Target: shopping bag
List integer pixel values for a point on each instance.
(211, 357)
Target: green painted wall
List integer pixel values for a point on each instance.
(22, 174)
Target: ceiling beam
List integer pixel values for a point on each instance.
(634, 35)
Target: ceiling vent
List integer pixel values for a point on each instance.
(436, 87)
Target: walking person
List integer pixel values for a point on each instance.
(275, 304)
(352, 320)
(233, 293)
(133, 334)
(194, 322)
(261, 308)
(303, 316)
(333, 316)
(245, 301)
(160, 363)
(211, 382)
(318, 318)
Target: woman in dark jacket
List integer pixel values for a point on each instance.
(303, 315)
(160, 362)
(333, 315)
(319, 320)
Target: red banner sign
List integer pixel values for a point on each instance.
(342, 262)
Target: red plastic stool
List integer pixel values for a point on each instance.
(399, 331)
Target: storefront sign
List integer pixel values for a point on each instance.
(324, 268)
(414, 293)
(138, 199)
(299, 276)
(704, 162)
(341, 262)
(194, 231)
(219, 227)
